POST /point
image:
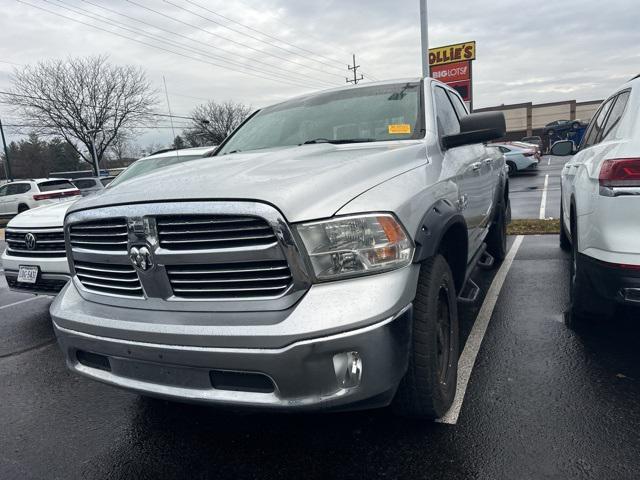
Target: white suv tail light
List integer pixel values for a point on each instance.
(618, 174)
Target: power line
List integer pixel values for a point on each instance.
(103, 19)
(261, 52)
(159, 48)
(286, 25)
(188, 48)
(257, 31)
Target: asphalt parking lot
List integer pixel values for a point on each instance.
(537, 194)
(542, 401)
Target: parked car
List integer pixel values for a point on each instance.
(534, 140)
(316, 264)
(528, 147)
(518, 159)
(562, 127)
(88, 185)
(600, 205)
(35, 258)
(21, 195)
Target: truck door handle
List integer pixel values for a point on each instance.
(476, 166)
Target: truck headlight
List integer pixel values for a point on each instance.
(356, 245)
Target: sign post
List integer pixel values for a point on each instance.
(424, 35)
(451, 64)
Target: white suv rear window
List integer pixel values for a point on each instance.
(52, 185)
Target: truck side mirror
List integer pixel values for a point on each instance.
(477, 128)
(562, 148)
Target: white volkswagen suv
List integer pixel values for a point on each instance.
(600, 207)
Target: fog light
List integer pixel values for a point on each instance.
(348, 369)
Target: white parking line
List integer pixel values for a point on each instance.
(21, 301)
(471, 348)
(543, 202)
(549, 161)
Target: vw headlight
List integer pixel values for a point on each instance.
(356, 245)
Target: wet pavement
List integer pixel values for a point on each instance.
(543, 401)
(526, 190)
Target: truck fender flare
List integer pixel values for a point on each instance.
(441, 216)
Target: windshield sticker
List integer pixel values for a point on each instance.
(399, 129)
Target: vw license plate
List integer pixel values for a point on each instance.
(28, 274)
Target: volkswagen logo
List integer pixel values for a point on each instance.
(141, 258)
(30, 241)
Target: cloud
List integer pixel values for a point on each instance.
(545, 51)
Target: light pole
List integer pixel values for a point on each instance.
(6, 155)
(424, 34)
(93, 132)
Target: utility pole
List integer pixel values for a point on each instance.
(94, 132)
(424, 33)
(6, 154)
(355, 68)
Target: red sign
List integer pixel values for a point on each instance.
(452, 72)
(456, 75)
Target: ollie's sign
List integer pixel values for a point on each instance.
(452, 65)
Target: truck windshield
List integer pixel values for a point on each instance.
(367, 114)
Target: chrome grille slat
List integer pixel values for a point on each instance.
(227, 280)
(110, 235)
(110, 279)
(202, 232)
(230, 280)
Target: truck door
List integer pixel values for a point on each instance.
(468, 170)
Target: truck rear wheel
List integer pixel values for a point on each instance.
(429, 386)
(497, 236)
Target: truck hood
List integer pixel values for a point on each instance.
(42, 217)
(303, 182)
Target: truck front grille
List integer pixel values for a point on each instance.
(107, 278)
(48, 242)
(199, 232)
(232, 280)
(104, 235)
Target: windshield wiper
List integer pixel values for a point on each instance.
(337, 142)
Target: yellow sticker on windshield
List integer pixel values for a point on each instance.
(399, 129)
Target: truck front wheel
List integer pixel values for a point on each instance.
(429, 386)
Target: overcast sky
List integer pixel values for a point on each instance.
(526, 51)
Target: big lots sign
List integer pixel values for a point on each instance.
(452, 65)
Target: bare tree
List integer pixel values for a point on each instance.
(86, 101)
(213, 122)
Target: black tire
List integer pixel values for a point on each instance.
(22, 208)
(512, 168)
(565, 243)
(429, 386)
(586, 304)
(497, 237)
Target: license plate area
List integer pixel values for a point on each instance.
(28, 274)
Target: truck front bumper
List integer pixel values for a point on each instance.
(344, 345)
(361, 368)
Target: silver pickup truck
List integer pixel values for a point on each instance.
(313, 261)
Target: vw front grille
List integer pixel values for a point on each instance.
(197, 232)
(48, 242)
(110, 234)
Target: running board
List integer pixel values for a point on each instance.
(486, 261)
(469, 293)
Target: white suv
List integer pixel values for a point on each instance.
(18, 196)
(600, 207)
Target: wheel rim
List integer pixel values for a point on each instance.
(574, 264)
(443, 334)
